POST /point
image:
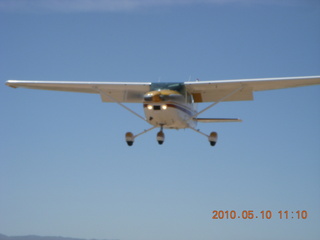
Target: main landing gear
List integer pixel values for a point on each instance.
(130, 137)
(213, 137)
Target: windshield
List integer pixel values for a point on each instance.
(179, 87)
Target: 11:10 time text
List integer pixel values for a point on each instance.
(250, 214)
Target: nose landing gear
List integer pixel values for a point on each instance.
(160, 136)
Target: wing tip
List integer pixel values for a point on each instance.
(10, 83)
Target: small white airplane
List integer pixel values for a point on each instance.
(172, 105)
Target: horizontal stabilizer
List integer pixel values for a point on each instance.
(216, 120)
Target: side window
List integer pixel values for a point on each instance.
(189, 98)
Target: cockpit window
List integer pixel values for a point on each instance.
(179, 87)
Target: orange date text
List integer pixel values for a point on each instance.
(251, 214)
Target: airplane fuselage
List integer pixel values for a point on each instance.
(171, 115)
(169, 106)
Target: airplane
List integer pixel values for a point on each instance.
(172, 105)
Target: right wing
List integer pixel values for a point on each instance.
(126, 92)
(212, 91)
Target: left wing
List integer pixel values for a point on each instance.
(126, 92)
(212, 91)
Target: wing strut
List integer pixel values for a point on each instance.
(198, 131)
(220, 100)
(121, 104)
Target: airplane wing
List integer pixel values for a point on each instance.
(126, 92)
(212, 91)
(202, 91)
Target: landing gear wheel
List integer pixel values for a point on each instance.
(160, 137)
(129, 138)
(213, 137)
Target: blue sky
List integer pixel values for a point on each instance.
(65, 168)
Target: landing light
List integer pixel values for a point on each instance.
(164, 107)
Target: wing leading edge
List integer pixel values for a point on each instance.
(212, 91)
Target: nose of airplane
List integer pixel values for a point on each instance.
(153, 96)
